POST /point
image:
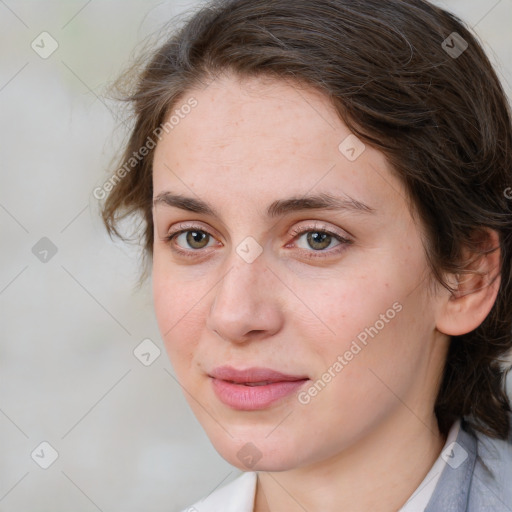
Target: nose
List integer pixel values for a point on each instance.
(247, 302)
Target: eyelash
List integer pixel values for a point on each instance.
(296, 232)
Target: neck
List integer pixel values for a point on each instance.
(380, 472)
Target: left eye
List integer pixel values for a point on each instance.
(318, 240)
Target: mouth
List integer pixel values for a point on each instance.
(255, 375)
(264, 383)
(253, 388)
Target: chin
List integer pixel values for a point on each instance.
(259, 453)
(274, 462)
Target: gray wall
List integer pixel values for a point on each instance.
(70, 321)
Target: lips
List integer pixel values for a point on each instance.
(253, 376)
(253, 388)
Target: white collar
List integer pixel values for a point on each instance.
(237, 496)
(421, 496)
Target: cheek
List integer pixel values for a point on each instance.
(363, 373)
(384, 353)
(343, 308)
(379, 320)
(178, 311)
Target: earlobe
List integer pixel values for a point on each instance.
(475, 289)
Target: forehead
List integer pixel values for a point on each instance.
(257, 137)
(266, 117)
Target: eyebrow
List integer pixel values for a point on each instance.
(280, 207)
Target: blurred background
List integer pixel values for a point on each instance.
(91, 417)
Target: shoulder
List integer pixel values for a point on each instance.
(476, 475)
(491, 482)
(237, 496)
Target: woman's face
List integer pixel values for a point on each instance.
(296, 329)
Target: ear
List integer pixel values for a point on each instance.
(475, 289)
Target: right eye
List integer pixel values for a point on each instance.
(191, 240)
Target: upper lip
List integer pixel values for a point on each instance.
(254, 374)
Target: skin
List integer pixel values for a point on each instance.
(366, 440)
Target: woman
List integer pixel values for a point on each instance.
(323, 187)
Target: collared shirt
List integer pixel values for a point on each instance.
(472, 474)
(421, 496)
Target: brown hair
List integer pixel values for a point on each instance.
(441, 119)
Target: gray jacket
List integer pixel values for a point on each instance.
(478, 482)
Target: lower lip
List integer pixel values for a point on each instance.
(252, 398)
